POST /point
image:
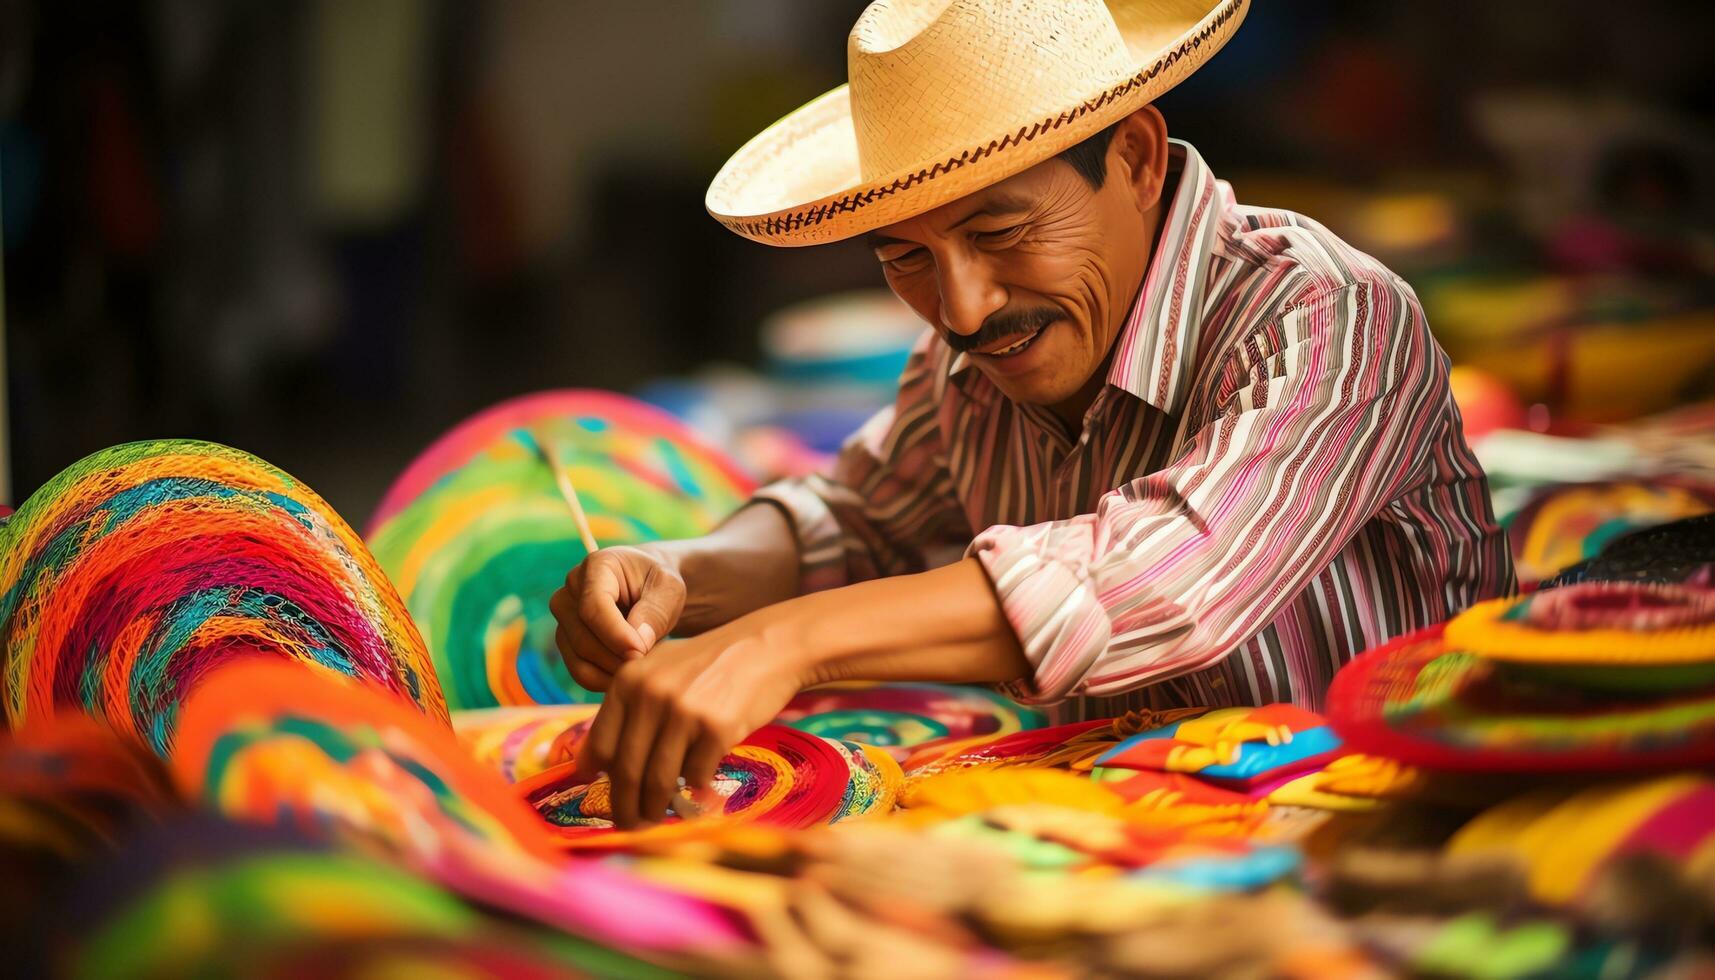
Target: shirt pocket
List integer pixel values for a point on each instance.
(1256, 373)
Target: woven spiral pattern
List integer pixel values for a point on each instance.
(477, 535)
(1600, 623)
(141, 567)
(1421, 701)
(902, 716)
(778, 776)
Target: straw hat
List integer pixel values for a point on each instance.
(949, 96)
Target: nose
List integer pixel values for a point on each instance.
(969, 294)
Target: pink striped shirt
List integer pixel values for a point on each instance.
(1273, 478)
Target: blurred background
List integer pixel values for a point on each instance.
(326, 231)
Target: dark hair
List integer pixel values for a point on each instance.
(1090, 158)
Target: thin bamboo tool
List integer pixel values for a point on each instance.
(563, 479)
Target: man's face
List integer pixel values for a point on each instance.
(1032, 276)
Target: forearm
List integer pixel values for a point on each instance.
(943, 625)
(749, 562)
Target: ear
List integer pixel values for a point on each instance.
(1137, 156)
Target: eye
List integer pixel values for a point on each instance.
(907, 261)
(1000, 236)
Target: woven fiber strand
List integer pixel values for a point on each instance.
(477, 534)
(1420, 701)
(142, 567)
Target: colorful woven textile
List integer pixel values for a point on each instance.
(273, 743)
(519, 742)
(1421, 701)
(902, 716)
(1234, 746)
(1594, 623)
(778, 776)
(477, 533)
(141, 567)
(1566, 524)
(207, 898)
(1565, 837)
(1679, 551)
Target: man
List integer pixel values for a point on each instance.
(1157, 448)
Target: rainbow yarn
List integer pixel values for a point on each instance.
(140, 567)
(477, 535)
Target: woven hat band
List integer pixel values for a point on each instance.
(928, 75)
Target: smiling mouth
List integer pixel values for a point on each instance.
(1015, 348)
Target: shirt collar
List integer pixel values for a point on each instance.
(1152, 358)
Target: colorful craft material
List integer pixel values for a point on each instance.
(902, 716)
(1564, 838)
(1233, 746)
(778, 776)
(1076, 745)
(141, 567)
(519, 742)
(270, 743)
(1627, 635)
(974, 790)
(1679, 551)
(477, 533)
(1421, 701)
(274, 744)
(205, 898)
(1569, 523)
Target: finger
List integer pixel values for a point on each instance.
(666, 759)
(656, 611)
(598, 605)
(576, 642)
(588, 677)
(704, 759)
(631, 757)
(595, 755)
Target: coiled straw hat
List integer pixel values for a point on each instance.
(946, 97)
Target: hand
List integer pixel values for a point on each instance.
(613, 608)
(678, 711)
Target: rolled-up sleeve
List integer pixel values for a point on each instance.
(1176, 568)
(887, 507)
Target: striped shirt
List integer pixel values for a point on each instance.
(1273, 478)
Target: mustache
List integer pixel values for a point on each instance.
(1003, 325)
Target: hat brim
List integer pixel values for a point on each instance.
(799, 183)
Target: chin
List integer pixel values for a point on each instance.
(1046, 392)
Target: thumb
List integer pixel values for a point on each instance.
(657, 610)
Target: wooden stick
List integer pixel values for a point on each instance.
(563, 479)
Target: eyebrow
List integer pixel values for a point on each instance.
(1000, 204)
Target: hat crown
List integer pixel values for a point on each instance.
(930, 78)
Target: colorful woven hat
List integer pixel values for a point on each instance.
(478, 533)
(1421, 701)
(1566, 524)
(141, 567)
(1678, 551)
(946, 97)
(1627, 633)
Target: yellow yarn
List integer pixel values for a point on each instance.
(974, 790)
